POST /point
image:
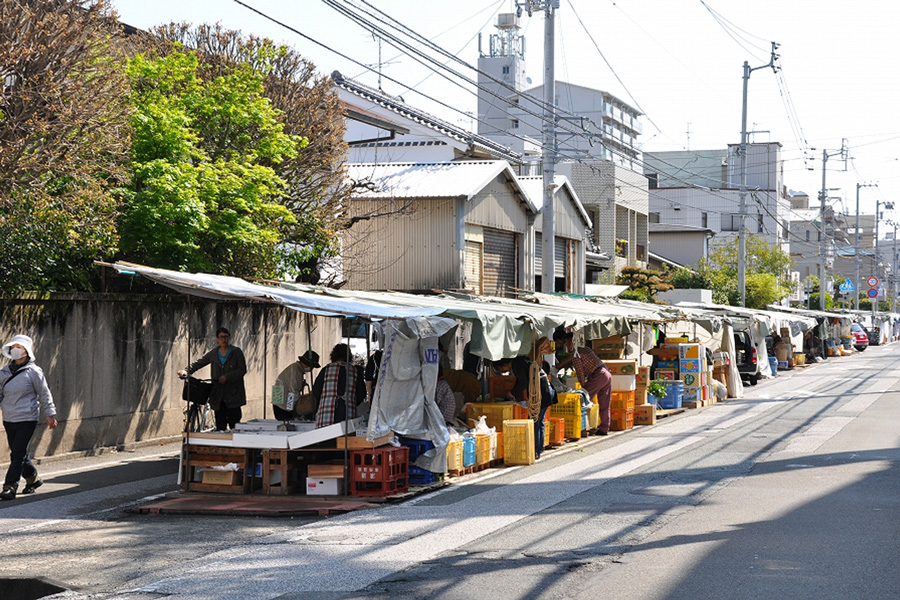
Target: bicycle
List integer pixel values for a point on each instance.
(198, 417)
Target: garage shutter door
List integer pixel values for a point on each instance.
(559, 255)
(500, 254)
(473, 267)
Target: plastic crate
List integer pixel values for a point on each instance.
(499, 444)
(416, 447)
(621, 421)
(569, 408)
(496, 412)
(518, 442)
(482, 449)
(673, 397)
(379, 464)
(419, 476)
(621, 401)
(468, 451)
(557, 431)
(584, 421)
(455, 455)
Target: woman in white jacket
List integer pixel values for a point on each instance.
(23, 393)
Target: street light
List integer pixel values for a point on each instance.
(889, 206)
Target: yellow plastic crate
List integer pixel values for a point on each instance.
(454, 456)
(518, 442)
(496, 413)
(482, 449)
(499, 444)
(569, 408)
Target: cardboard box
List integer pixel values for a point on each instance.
(359, 442)
(667, 375)
(693, 380)
(621, 367)
(610, 345)
(645, 414)
(219, 477)
(326, 471)
(691, 395)
(640, 396)
(642, 377)
(667, 364)
(324, 486)
(691, 351)
(623, 383)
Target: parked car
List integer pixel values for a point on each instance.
(860, 337)
(745, 356)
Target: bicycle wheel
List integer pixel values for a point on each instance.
(194, 418)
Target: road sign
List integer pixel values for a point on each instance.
(872, 281)
(872, 292)
(847, 286)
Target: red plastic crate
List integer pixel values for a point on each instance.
(380, 488)
(379, 464)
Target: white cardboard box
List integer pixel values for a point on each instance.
(326, 486)
(623, 383)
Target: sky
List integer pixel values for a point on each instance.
(680, 62)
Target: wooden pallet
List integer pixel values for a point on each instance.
(665, 412)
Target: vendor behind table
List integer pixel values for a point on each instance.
(294, 398)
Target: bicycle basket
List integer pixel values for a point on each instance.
(196, 391)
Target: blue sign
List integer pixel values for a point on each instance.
(872, 292)
(847, 286)
(431, 356)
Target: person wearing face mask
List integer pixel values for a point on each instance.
(23, 394)
(227, 368)
(295, 384)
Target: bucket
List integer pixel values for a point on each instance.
(773, 364)
(674, 392)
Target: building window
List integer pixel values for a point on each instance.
(653, 217)
(731, 222)
(652, 181)
(506, 70)
(514, 124)
(807, 235)
(759, 226)
(704, 220)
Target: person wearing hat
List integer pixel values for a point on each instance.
(592, 374)
(23, 394)
(293, 380)
(227, 368)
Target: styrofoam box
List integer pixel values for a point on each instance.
(325, 486)
(623, 383)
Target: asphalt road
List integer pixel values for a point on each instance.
(791, 492)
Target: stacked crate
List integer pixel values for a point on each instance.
(611, 348)
(518, 442)
(644, 412)
(569, 408)
(621, 404)
(495, 412)
(418, 475)
(380, 471)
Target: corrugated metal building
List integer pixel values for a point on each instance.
(453, 226)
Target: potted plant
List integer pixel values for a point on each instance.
(657, 389)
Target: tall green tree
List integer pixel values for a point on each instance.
(204, 194)
(63, 138)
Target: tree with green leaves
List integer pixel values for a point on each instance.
(762, 259)
(63, 139)
(204, 194)
(643, 284)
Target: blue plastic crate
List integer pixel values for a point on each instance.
(468, 451)
(673, 397)
(419, 476)
(416, 447)
(584, 421)
(773, 365)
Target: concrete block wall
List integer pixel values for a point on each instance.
(111, 360)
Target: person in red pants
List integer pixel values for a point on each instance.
(592, 374)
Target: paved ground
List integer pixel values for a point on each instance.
(791, 492)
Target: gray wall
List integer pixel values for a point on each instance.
(111, 360)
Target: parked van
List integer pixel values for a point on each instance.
(354, 332)
(745, 355)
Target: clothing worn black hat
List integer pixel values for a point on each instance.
(310, 358)
(560, 333)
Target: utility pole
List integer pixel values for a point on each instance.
(894, 272)
(823, 197)
(742, 213)
(878, 205)
(856, 253)
(548, 141)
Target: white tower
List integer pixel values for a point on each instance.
(504, 63)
